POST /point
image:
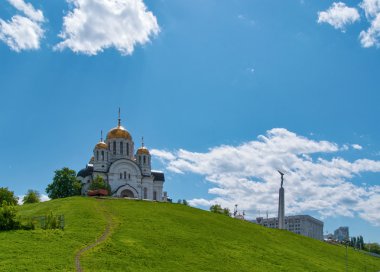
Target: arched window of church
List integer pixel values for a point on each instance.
(102, 155)
(145, 193)
(129, 176)
(127, 149)
(144, 159)
(121, 147)
(121, 175)
(97, 155)
(125, 175)
(114, 148)
(154, 195)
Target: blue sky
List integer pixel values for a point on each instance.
(203, 76)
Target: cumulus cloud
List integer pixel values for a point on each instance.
(370, 7)
(23, 32)
(357, 147)
(94, 25)
(371, 36)
(246, 175)
(28, 10)
(339, 15)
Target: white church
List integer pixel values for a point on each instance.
(128, 173)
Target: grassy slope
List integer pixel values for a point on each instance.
(166, 237)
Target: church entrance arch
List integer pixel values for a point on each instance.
(127, 193)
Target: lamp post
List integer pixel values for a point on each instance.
(346, 243)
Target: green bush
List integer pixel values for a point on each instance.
(8, 219)
(51, 222)
(99, 183)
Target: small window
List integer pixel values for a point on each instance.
(144, 159)
(102, 155)
(121, 147)
(114, 148)
(139, 159)
(125, 175)
(154, 195)
(127, 149)
(97, 155)
(129, 176)
(145, 193)
(121, 176)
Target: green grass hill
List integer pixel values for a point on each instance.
(151, 236)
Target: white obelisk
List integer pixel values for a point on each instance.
(281, 205)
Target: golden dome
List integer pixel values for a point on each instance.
(119, 132)
(101, 145)
(143, 151)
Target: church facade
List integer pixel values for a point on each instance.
(127, 172)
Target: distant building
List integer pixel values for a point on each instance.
(342, 234)
(299, 224)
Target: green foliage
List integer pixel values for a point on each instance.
(7, 196)
(8, 219)
(64, 184)
(357, 242)
(32, 196)
(372, 247)
(153, 236)
(184, 202)
(99, 183)
(216, 208)
(51, 222)
(226, 211)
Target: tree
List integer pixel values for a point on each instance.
(226, 211)
(217, 208)
(99, 183)
(64, 184)
(7, 196)
(184, 202)
(8, 219)
(32, 196)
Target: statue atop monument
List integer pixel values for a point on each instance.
(282, 177)
(281, 204)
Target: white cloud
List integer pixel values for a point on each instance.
(371, 36)
(162, 154)
(22, 32)
(370, 7)
(246, 175)
(28, 10)
(94, 25)
(339, 15)
(357, 147)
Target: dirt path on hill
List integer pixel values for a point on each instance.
(102, 238)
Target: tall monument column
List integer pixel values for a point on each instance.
(281, 204)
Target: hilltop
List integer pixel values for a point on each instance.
(152, 236)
